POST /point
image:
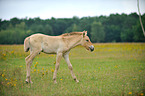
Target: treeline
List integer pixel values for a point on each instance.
(113, 28)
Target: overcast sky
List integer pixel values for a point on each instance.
(66, 8)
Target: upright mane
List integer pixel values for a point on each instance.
(71, 34)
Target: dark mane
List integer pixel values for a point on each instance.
(72, 33)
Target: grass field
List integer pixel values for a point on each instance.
(113, 69)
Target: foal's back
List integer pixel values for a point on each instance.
(45, 43)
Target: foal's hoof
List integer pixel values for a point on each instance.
(55, 82)
(77, 81)
(29, 82)
(26, 82)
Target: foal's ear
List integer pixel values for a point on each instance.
(84, 33)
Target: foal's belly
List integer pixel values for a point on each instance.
(46, 48)
(48, 51)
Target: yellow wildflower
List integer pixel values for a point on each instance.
(38, 71)
(6, 79)
(42, 74)
(141, 94)
(12, 52)
(116, 66)
(8, 83)
(52, 70)
(42, 68)
(34, 70)
(14, 84)
(35, 65)
(130, 93)
(46, 71)
(4, 55)
(20, 66)
(36, 62)
(61, 79)
(15, 79)
(3, 75)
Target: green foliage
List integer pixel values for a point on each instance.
(113, 28)
(138, 34)
(127, 32)
(74, 28)
(48, 30)
(13, 35)
(97, 32)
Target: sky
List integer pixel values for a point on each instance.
(46, 9)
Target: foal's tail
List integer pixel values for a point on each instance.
(27, 44)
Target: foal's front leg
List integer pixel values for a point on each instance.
(58, 58)
(66, 57)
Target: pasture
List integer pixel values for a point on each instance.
(113, 69)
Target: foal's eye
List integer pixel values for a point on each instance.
(87, 40)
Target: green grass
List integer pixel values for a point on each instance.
(113, 69)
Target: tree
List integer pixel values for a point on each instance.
(48, 30)
(127, 31)
(97, 32)
(15, 21)
(113, 28)
(126, 35)
(137, 31)
(13, 35)
(112, 33)
(74, 28)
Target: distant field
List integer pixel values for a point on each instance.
(113, 69)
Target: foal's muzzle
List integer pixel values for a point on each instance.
(91, 48)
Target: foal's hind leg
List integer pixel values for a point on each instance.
(29, 60)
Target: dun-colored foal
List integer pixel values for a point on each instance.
(60, 45)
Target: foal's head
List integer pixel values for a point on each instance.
(86, 42)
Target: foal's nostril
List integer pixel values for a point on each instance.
(91, 48)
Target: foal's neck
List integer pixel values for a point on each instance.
(74, 41)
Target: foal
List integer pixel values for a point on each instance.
(60, 45)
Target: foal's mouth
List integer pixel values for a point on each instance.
(91, 48)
